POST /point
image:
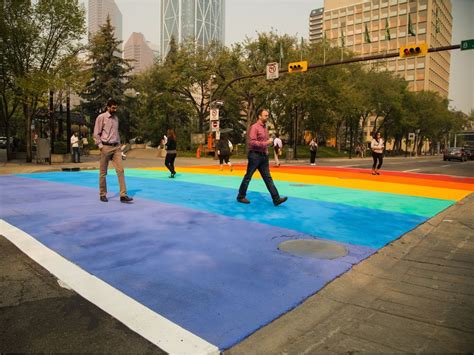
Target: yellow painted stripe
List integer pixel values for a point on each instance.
(379, 186)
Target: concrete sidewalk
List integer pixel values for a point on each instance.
(416, 295)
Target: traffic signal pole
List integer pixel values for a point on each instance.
(340, 62)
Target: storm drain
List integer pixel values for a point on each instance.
(313, 248)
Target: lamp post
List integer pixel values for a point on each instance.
(417, 132)
(210, 105)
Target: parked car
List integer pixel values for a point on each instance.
(456, 153)
(469, 154)
(3, 142)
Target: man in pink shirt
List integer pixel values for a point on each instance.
(258, 159)
(107, 138)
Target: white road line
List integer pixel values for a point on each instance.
(407, 171)
(445, 166)
(155, 328)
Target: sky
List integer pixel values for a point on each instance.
(246, 17)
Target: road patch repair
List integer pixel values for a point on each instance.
(192, 270)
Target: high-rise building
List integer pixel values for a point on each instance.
(316, 25)
(200, 20)
(98, 10)
(369, 27)
(138, 52)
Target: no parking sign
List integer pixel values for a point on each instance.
(215, 126)
(214, 114)
(272, 71)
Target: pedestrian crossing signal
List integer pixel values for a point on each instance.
(414, 50)
(297, 67)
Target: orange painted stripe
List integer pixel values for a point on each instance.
(366, 174)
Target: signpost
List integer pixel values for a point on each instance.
(215, 126)
(272, 71)
(214, 114)
(467, 44)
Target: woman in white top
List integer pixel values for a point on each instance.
(377, 146)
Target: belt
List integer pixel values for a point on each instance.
(257, 152)
(112, 144)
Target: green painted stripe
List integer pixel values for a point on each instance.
(420, 206)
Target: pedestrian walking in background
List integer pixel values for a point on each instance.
(258, 142)
(224, 148)
(76, 154)
(313, 150)
(277, 149)
(170, 152)
(377, 146)
(106, 136)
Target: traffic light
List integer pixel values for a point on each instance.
(297, 67)
(414, 50)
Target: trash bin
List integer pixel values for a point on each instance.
(290, 154)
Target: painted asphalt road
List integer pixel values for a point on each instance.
(195, 246)
(143, 184)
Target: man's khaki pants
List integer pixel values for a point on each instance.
(107, 153)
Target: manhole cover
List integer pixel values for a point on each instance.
(313, 248)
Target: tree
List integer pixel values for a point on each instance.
(107, 71)
(36, 36)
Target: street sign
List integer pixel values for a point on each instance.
(214, 114)
(411, 136)
(215, 126)
(467, 44)
(272, 71)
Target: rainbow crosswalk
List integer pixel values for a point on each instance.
(187, 251)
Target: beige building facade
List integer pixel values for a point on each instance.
(138, 52)
(371, 27)
(386, 23)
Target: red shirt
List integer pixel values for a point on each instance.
(258, 138)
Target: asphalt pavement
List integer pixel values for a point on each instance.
(414, 295)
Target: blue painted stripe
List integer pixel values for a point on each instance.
(347, 224)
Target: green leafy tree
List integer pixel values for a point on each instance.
(107, 71)
(35, 38)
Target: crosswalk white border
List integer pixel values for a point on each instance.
(160, 331)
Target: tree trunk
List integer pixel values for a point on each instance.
(29, 149)
(250, 119)
(68, 123)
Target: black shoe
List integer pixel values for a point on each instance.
(280, 201)
(243, 200)
(104, 199)
(125, 199)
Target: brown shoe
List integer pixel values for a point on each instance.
(125, 199)
(280, 201)
(243, 200)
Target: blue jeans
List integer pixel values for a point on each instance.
(258, 161)
(76, 155)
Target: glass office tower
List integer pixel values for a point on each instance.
(200, 20)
